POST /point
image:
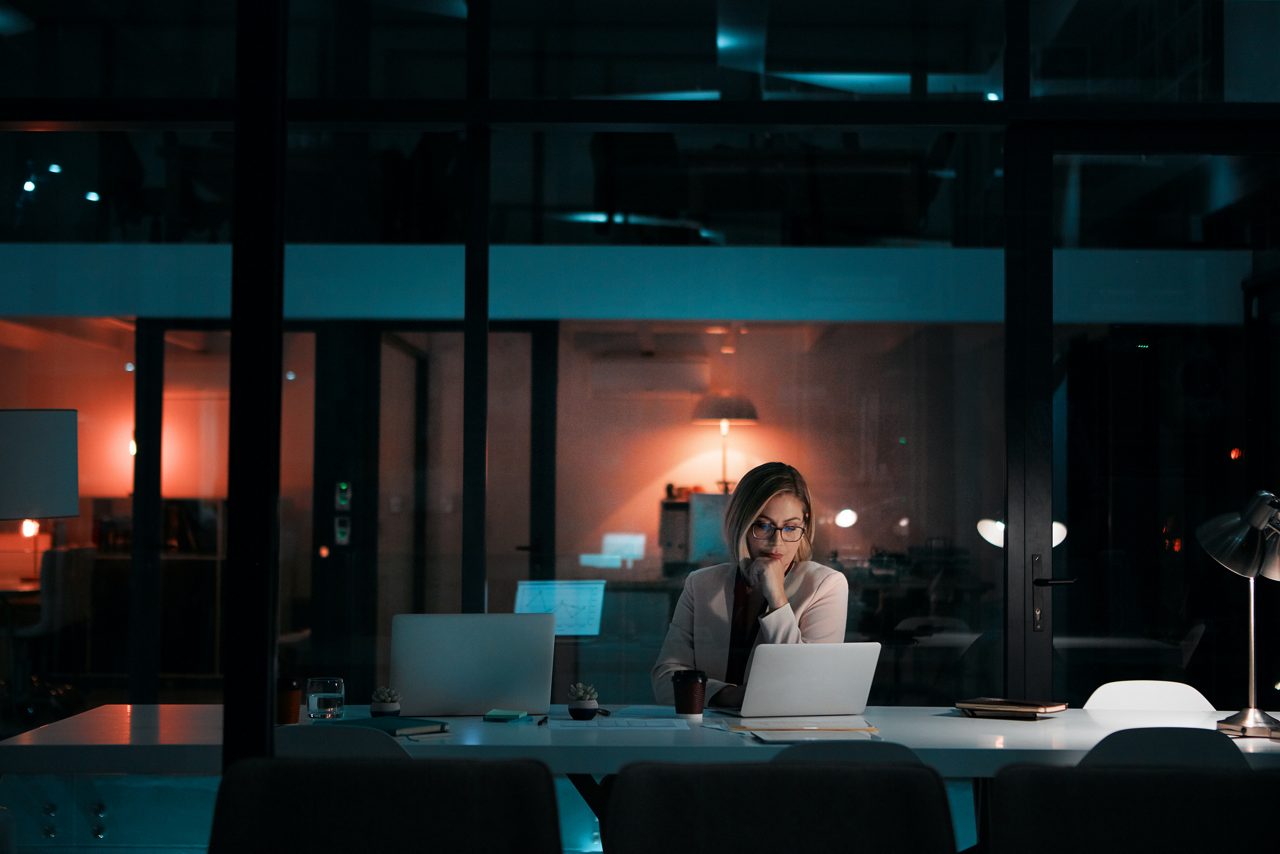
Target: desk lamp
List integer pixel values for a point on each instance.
(725, 410)
(1248, 544)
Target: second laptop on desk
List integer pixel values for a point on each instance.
(467, 664)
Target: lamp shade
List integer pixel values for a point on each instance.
(38, 466)
(734, 408)
(1236, 540)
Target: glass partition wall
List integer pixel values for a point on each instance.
(948, 297)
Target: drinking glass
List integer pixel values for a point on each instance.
(325, 697)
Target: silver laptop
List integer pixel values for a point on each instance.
(809, 679)
(467, 664)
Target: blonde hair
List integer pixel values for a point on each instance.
(753, 492)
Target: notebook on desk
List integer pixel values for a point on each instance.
(809, 679)
(467, 664)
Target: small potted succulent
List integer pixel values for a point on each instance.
(583, 701)
(385, 701)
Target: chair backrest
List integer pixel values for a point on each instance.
(1148, 694)
(1166, 747)
(462, 806)
(306, 741)
(66, 590)
(860, 750)
(778, 806)
(1052, 810)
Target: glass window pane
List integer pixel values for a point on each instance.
(81, 364)
(868, 412)
(380, 49)
(137, 187)
(193, 487)
(1174, 51)
(808, 50)
(1157, 428)
(371, 500)
(867, 187)
(182, 49)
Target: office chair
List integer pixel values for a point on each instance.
(1166, 747)
(465, 806)
(860, 750)
(321, 741)
(66, 585)
(1051, 810)
(778, 806)
(1147, 695)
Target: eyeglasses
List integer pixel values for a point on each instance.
(762, 530)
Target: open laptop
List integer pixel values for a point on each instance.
(467, 664)
(809, 679)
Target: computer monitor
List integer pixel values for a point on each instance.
(577, 605)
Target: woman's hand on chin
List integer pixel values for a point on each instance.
(768, 574)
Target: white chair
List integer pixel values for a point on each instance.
(1148, 694)
(321, 741)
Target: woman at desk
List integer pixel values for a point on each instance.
(772, 593)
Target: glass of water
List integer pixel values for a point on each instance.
(325, 696)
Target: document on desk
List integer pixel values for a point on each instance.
(853, 725)
(629, 724)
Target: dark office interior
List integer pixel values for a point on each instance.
(368, 308)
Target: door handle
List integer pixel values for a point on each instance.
(1052, 582)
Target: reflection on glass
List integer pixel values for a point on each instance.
(1104, 50)
(864, 187)
(801, 50)
(871, 410)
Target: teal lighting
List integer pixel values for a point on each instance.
(862, 83)
(91, 196)
(55, 168)
(684, 95)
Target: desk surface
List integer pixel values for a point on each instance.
(186, 739)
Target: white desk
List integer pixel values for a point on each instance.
(186, 739)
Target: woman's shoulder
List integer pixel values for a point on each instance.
(709, 574)
(816, 571)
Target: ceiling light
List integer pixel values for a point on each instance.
(91, 196)
(29, 186)
(55, 168)
(846, 518)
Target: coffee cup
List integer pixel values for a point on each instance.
(691, 693)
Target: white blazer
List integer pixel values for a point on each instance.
(698, 639)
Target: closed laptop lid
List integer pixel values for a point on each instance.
(806, 679)
(467, 664)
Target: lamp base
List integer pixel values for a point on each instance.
(1250, 723)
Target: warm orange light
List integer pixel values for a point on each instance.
(716, 330)
(324, 551)
(133, 447)
(728, 349)
(30, 527)
(1236, 453)
(724, 426)
(1177, 544)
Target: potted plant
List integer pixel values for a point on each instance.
(583, 701)
(385, 701)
